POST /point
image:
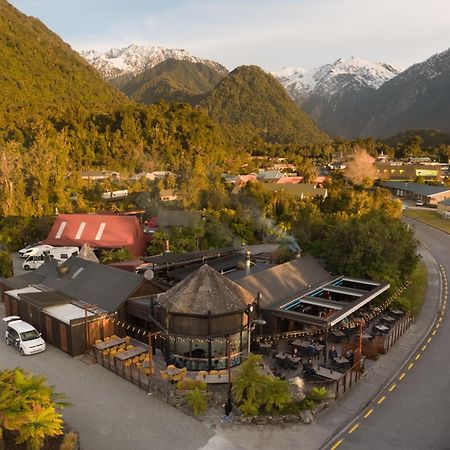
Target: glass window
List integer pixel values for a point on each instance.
(29, 335)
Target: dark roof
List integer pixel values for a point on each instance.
(170, 258)
(445, 202)
(283, 281)
(203, 291)
(44, 299)
(416, 188)
(297, 190)
(23, 280)
(84, 281)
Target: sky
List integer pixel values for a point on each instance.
(269, 33)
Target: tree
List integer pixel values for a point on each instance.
(6, 266)
(361, 168)
(197, 400)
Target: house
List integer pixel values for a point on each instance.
(430, 195)
(142, 175)
(72, 304)
(269, 176)
(99, 175)
(100, 231)
(443, 208)
(168, 195)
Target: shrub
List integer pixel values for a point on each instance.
(70, 441)
(318, 394)
(189, 384)
(198, 401)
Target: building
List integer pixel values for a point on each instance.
(99, 175)
(430, 195)
(269, 176)
(443, 208)
(204, 319)
(72, 304)
(100, 231)
(168, 195)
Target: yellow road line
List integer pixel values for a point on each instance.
(354, 427)
(368, 413)
(409, 367)
(429, 340)
(440, 319)
(417, 356)
(434, 332)
(438, 325)
(424, 348)
(382, 399)
(337, 444)
(402, 376)
(392, 387)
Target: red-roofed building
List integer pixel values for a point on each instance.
(100, 231)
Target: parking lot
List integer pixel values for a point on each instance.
(109, 412)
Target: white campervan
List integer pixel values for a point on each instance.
(61, 254)
(34, 250)
(23, 335)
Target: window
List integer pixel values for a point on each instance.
(64, 255)
(29, 335)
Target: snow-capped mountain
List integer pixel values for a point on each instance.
(333, 93)
(134, 59)
(330, 79)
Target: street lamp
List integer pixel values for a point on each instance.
(250, 329)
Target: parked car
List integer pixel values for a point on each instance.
(33, 249)
(419, 203)
(23, 335)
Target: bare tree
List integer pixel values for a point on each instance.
(361, 168)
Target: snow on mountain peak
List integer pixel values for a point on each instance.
(331, 78)
(134, 59)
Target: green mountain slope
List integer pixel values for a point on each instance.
(173, 80)
(253, 106)
(41, 76)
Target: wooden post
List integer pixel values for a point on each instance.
(229, 362)
(150, 351)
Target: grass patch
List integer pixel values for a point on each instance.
(414, 296)
(429, 217)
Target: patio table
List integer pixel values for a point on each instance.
(341, 360)
(388, 319)
(338, 333)
(123, 356)
(328, 373)
(213, 379)
(109, 344)
(381, 328)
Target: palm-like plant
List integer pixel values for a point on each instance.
(27, 405)
(276, 395)
(198, 401)
(36, 424)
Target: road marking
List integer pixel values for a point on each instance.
(409, 367)
(434, 332)
(382, 399)
(392, 387)
(402, 376)
(440, 319)
(424, 348)
(368, 413)
(429, 340)
(417, 356)
(438, 325)
(353, 428)
(337, 444)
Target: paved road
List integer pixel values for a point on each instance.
(413, 412)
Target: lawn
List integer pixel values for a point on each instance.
(414, 296)
(429, 217)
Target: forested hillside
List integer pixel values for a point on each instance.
(173, 80)
(254, 107)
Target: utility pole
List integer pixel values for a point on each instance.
(150, 350)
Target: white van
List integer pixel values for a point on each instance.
(35, 250)
(23, 335)
(61, 254)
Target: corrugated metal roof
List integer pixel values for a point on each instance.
(283, 281)
(43, 299)
(416, 188)
(97, 230)
(24, 280)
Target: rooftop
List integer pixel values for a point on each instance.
(416, 188)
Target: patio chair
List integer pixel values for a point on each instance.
(128, 363)
(113, 352)
(120, 350)
(202, 373)
(129, 347)
(142, 356)
(98, 341)
(106, 352)
(127, 339)
(114, 337)
(164, 375)
(107, 339)
(135, 360)
(170, 367)
(214, 372)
